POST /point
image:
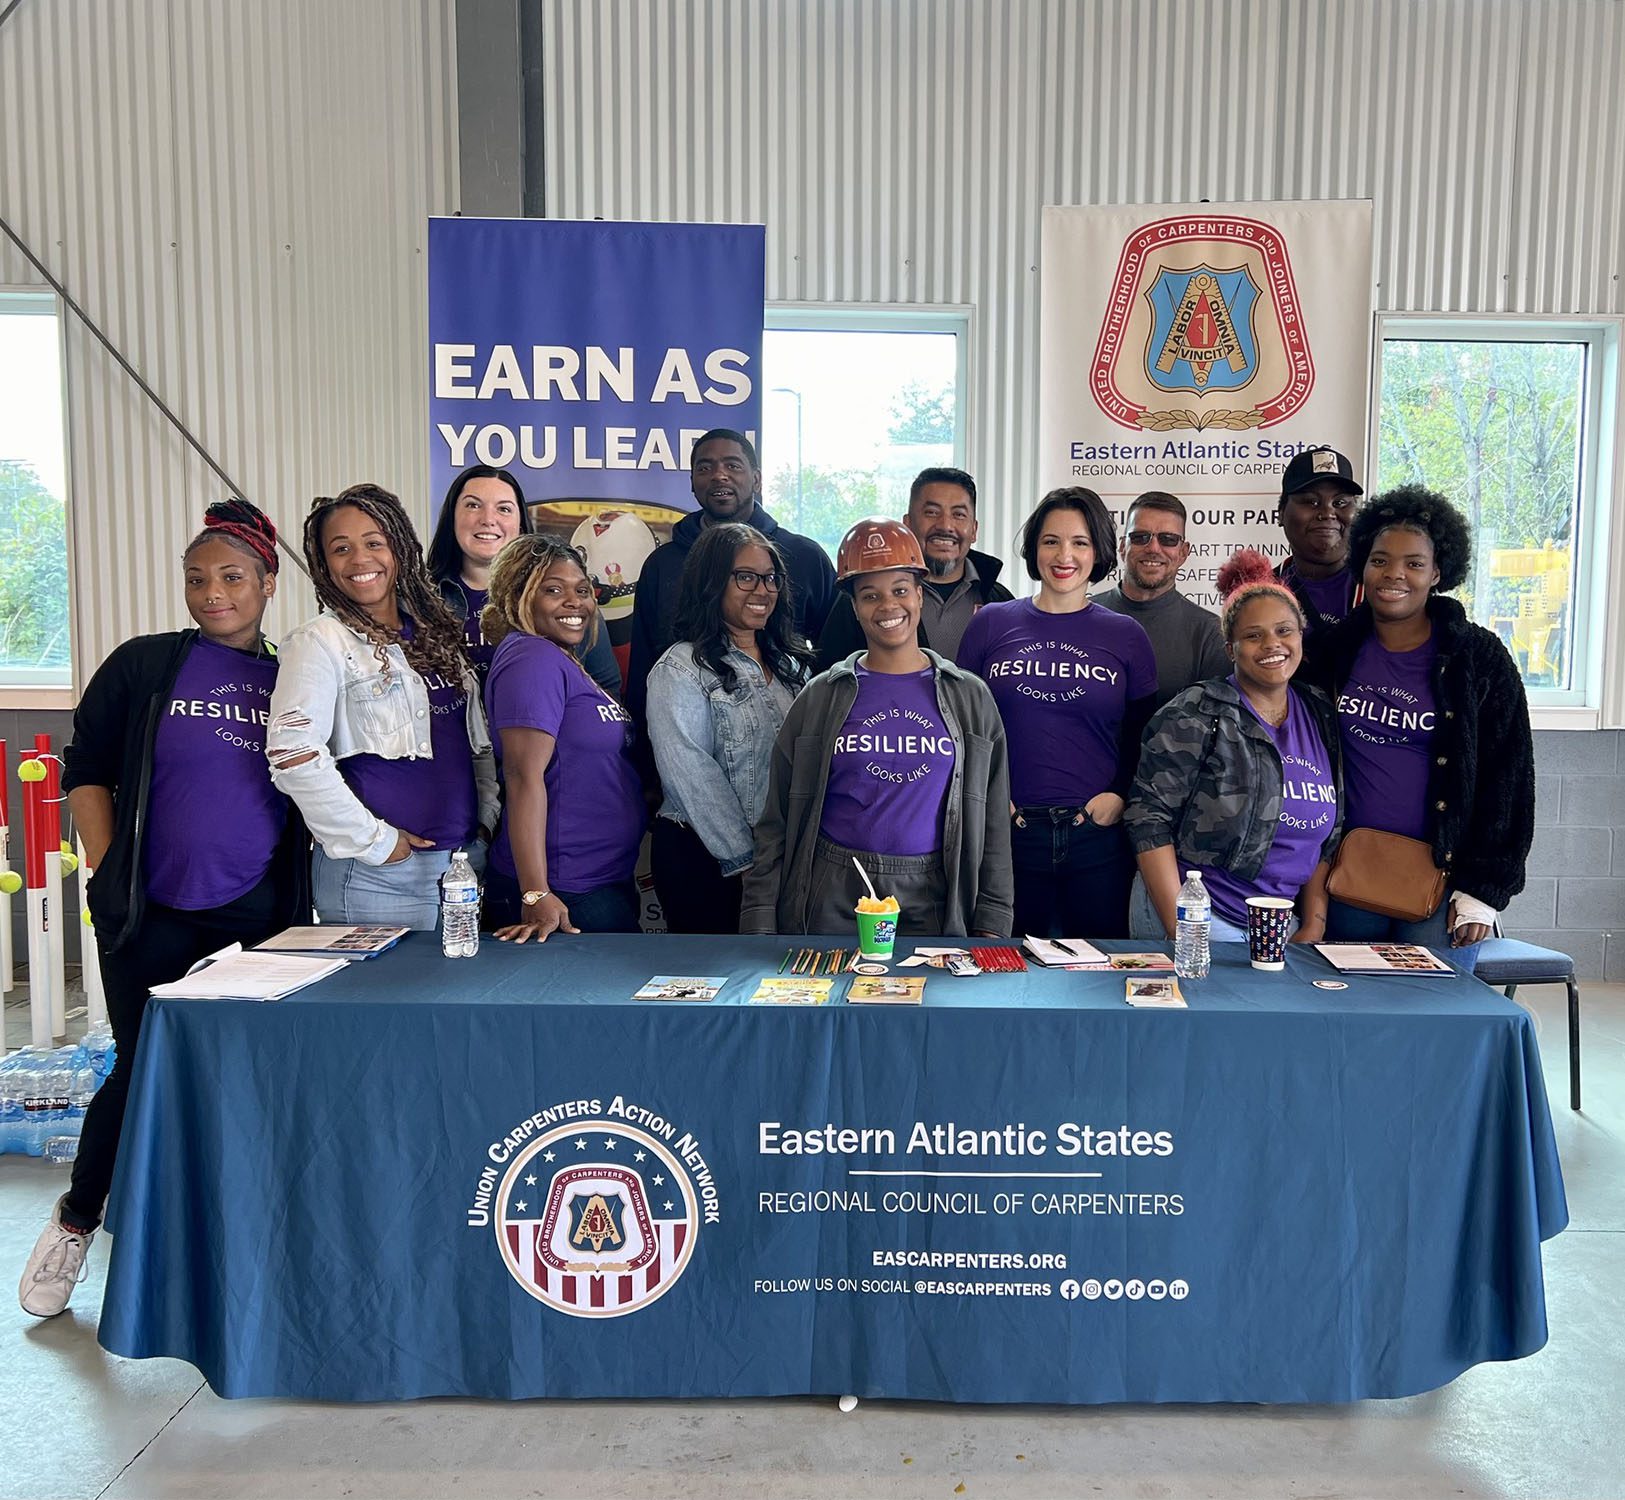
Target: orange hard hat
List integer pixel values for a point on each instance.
(875, 545)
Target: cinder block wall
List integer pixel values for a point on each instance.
(1575, 895)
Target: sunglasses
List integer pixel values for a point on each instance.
(1169, 539)
(746, 580)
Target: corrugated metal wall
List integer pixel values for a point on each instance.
(237, 192)
(900, 150)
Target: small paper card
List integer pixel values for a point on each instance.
(1155, 962)
(897, 989)
(1154, 993)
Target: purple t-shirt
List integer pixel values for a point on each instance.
(478, 652)
(1386, 715)
(434, 799)
(1308, 812)
(210, 754)
(595, 809)
(890, 767)
(1062, 683)
(1333, 597)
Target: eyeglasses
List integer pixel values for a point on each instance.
(1169, 539)
(745, 579)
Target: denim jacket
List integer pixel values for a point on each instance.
(331, 698)
(713, 747)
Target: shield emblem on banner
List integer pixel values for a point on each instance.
(1202, 337)
(596, 1219)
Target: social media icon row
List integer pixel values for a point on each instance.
(1134, 1289)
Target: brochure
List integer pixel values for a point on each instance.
(232, 974)
(1157, 962)
(682, 987)
(893, 989)
(1381, 958)
(792, 991)
(336, 941)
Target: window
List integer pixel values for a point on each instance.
(1503, 417)
(855, 402)
(34, 645)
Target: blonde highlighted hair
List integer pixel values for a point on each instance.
(516, 579)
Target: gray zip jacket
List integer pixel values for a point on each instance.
(1209, 781)
(975, 818)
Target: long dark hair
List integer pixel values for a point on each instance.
(437, 641)
(707, 575)
(445, 556)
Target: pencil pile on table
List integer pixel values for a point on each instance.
(809, 962)
(998, 960)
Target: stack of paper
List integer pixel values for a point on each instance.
(232, 974)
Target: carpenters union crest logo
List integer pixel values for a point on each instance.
(1203, 329)
(596, 1219)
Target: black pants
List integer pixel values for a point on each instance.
(162, 948)
(1072, 879)
(694, 893)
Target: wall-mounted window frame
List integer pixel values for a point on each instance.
(51, 684)
(1594, 694)
(863, 319)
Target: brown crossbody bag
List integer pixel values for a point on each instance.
(1386, 873)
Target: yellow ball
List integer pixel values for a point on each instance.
(84, 917)
(10, 882)
(67, 848)
(31, 770)
(70, 862)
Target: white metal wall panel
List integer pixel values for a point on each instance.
(238, 194)
(899, 151)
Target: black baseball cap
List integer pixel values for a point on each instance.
(1315, 464)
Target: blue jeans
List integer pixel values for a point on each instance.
(404, 894)
(1072, 878)
(608, 908)
(1143, 921)
(1349, 924)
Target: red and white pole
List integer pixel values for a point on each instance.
(10, 883)
(51, 819)
(40, 1001)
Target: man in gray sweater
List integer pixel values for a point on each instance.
(1184, 637)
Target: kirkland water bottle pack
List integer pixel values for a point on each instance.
(44, 1095)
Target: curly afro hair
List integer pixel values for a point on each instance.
(1415, 508)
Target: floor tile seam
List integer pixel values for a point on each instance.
(136, 1457)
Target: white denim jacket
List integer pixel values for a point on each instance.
(332, 698)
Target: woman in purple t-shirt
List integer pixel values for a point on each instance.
(1075, 684)
(1434, 721)
(191, 845)
(574, 817)
(1239, 776)
(376, 727)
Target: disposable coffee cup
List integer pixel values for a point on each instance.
(1270, 920)
(877, 933)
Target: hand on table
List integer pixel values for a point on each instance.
(1311, 930)
(547, 916)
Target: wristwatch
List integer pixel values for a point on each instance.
(530, 898)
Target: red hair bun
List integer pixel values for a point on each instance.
(1246, 568)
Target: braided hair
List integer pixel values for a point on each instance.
(243, 526)
(516, 576)
(436, 644)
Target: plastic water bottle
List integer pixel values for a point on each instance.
(11, 1104)
(1191, 958)
(459, 909)
(101, 1050)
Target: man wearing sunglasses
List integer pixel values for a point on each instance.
(1185, 638)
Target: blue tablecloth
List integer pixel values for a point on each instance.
(503, 1178)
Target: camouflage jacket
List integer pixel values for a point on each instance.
(1209, 781)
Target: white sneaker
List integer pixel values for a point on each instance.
(55, 1268)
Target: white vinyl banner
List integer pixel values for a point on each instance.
(1194, 348)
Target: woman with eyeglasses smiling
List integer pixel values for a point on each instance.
(716, 701)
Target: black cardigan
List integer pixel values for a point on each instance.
(1481, 785)
(114, 728)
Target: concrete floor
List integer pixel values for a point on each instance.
(78, 1422)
